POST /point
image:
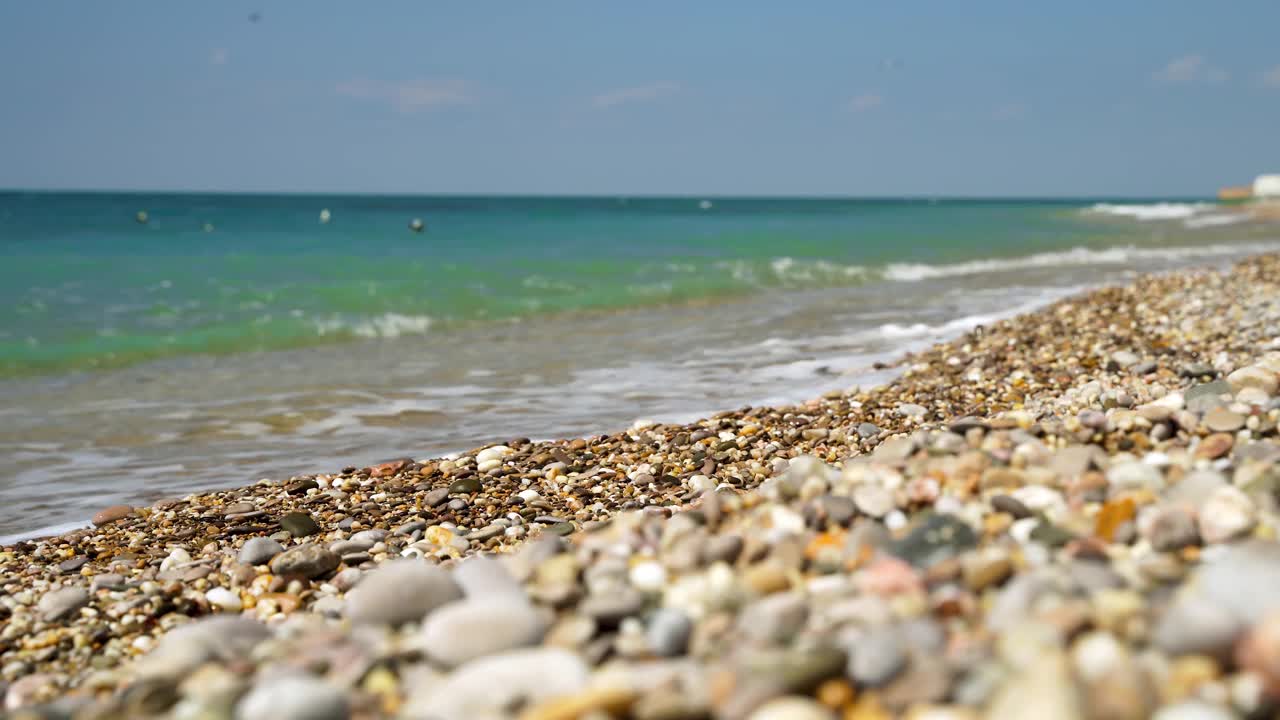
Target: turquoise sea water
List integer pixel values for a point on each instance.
(234, 337)
(84, 286)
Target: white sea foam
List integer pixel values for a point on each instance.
(1152, 211)
(910, 272)
(1204, 221)
(387, 325)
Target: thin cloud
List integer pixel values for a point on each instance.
(865, 102)
(1271, 78)
(407, 96)
(641, 93)
(1190, 69)
(220, 56)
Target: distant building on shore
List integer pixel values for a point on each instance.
(1264, 187)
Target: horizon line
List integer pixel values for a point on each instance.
(593, 196)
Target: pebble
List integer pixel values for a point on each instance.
(294, 697)
(774, 619)
(934, 539)
(1226, 515)
(1193, 710)
(307, 561)
(59, 604)
(873, 500)
(111, 514)
(465, 630)
(877, 657)
(259, 551)
(400, 591)
(223, 638)
(1135, 476)
(1259, 378)
(1173, 529)
(610, 609)
(299, 524)
(792, 708)
(487, 687)
(1220, 419)
(224, 599)
(669, 632)
(484, 577)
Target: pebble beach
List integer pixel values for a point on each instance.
(1068, 514)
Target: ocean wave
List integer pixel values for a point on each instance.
(1079, 256)
(789, 272)
(1215, 220)
(385, 326)
(1152, 211)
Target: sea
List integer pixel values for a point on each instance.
(152, 345)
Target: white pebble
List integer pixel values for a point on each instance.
(226, 600)
(648, 576)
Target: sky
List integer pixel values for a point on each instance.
(727, 97)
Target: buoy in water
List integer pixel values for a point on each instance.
(417, 225)
(142, 217)
(208, 227)
(705, 204)
(324, 215)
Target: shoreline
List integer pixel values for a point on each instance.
(878, 371)
(1005, 523)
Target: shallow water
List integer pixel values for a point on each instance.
(198, 414)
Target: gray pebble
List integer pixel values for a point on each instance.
(400, 591)
(669, 631)
(294, 697)
(259, 551)
(308, 561)
(465, 630)
(489, 687)
(482, 577)
(61, 603)
(876, 657)
(222, 638)
(610, 609)
(775, 619)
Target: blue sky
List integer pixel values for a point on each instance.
(828, 98)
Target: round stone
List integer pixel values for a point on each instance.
(1173, 529)
(877, 657)
(1221, 419)
(611, 608)
(873, 500)
(669, 631)
(1135, 476)
(221, 638)
(58, 604)
(400, 591)
(465, 486)
(792, 708)
(483, 577)
(111, 514)
(224, 599)
(259, 551)
(465, 630)
(489, 687)
(774, 619)
(307, 561)
(299, 524)
(1257, 377)
(1227, 514)
(294, 697)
